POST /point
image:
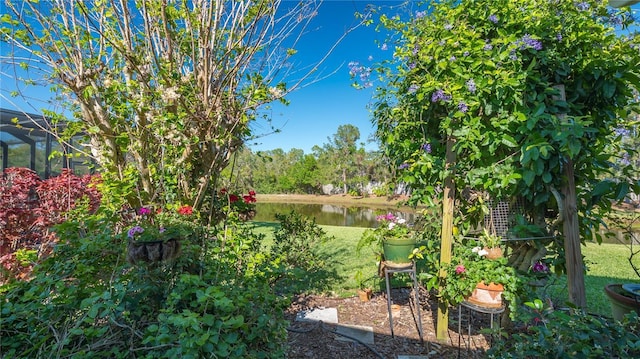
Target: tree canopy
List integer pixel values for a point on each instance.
(164, 90)
(498, 99)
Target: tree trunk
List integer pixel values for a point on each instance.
(572, 249)
(447, 234)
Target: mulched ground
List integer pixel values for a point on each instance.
(315, 340)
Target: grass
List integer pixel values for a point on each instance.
(606, 263)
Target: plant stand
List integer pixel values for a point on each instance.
(409, 268)
(492, 311)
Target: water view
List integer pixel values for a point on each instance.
(329, 214)
(336, 215)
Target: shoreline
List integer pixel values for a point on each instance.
(337, 199)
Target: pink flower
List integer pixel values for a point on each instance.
(144, 211)
(460, 269)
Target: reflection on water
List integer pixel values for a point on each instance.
(328, 214)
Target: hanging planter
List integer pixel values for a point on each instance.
(152, 251)
(247, 215)
(487, 295)
(493, 252)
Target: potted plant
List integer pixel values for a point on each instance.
(491, 243)
(473, 277)
(364, 292)
(625, 297)
(393, 238)
(155, 234)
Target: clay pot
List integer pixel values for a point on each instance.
(365, 294)
(487, 295)
(621, 302)
(493, 252)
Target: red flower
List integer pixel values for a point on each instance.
(185, 210)
(223, 191)
(233, 198)
(252, 193)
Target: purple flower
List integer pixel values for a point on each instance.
(416, 49)
(452, 58)
(465, 54)
(403, 166)
(426, 147)
(413, 88)
(559, 36)
(412, 66)
(528, 42)
(625, 161)
(144, 211)
(384, 47)
(448, 27)
(440, 95)
(622, 132)
(421, 14)
(471, 85)
(540, 267)
(134, 230)
(493, 18)
(488, 46)
(583, 6)
(462, 107)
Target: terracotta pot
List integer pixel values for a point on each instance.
(365, 294)
(493, 252)
(487, 295)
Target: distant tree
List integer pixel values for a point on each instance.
(338, 155)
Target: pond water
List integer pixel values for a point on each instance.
(329, 214)
(336, 215)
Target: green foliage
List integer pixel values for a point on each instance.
(469, 266)
(157, 113)
(484, 77)
(389, 227)
(296, 245)
(569, 334)
(216, 299)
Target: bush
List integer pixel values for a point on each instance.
(570, 334)
(29, 206)
(85, 301)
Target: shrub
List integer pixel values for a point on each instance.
(29, 206)
(84, 300)
(570, 334)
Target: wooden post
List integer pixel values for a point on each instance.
(572, 245)
(442, 322)
(572, 249)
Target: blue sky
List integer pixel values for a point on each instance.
(316, 111)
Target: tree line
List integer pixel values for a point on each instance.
(341, 165)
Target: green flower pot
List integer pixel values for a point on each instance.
(620, 304)
(396, 251)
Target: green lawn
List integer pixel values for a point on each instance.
(606, 263)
